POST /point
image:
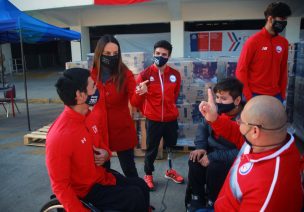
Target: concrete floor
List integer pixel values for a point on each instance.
(24, 181)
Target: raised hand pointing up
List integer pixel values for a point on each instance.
(208, 109)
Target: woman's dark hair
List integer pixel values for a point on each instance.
(277, 9)
(231, 85)
(163, 44)
(73, 80)
(119, 75)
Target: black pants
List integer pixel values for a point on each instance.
(213, 176)
(155, 131)
(127, 163)
(128, 195)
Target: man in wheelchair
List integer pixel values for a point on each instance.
(75, 153)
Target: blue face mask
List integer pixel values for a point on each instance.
(160, 60)
(93, 99)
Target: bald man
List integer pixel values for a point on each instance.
(266, 173)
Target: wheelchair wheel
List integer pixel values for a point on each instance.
(52, 206)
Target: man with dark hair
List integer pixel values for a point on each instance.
(158, 104)
(71, 154)
(213, 157)
(265, 176)
(262, 66)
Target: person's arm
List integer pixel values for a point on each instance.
(177, 88)
(202, 134)
(229, 130)
(284, 73)
(59, 166)
(131, 84)
(137, 100)
(223, 155)
(242, 70)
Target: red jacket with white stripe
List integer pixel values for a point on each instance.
(262, 66)
(70, 159)
(159, 103)
(266, 181)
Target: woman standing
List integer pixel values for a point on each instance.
(116, 85)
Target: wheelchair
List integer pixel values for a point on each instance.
(55, 206)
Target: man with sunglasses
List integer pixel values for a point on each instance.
(266, 173)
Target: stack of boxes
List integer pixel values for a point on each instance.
(137, 61)
(298, 112)
(226, 67)
(76, 64)
(197, 76)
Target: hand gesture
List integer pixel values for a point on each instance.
(208, 109)
(100, 156)
(142, 88)
(204, 161)
(196, 154)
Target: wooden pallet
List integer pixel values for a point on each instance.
(36, 138)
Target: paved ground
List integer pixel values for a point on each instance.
(24, 181)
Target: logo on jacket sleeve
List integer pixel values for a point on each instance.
(245, 168)
(94, 128)
(172, 78)
(279, 49)
(83, 140)
(151, 78)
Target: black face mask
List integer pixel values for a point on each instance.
(109, 61)
(93, 99)
(278, 26)
(224, 108)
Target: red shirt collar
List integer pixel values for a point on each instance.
(155, 68)
(73, 114)
(266, 33)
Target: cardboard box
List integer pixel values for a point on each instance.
(76, 64)
(137, 61)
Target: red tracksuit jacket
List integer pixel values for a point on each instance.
(266, 181)
(159, 103)
(262, 66)
(70, 159)
(114, 105)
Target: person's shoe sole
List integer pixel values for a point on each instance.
(173, 180)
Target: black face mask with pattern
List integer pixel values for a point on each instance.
(110, 61)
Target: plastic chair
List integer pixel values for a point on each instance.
(9, 99)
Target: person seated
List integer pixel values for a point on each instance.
(266, 173)
(213, 157)
(74, 162)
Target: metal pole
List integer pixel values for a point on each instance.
(25, 82)
(2, 66)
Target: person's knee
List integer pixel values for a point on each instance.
(194, 165)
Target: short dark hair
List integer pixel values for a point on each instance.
(277, 9)
(74, 79)
(163, 44)
(231, 85)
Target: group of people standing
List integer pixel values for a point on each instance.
(96, 121)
